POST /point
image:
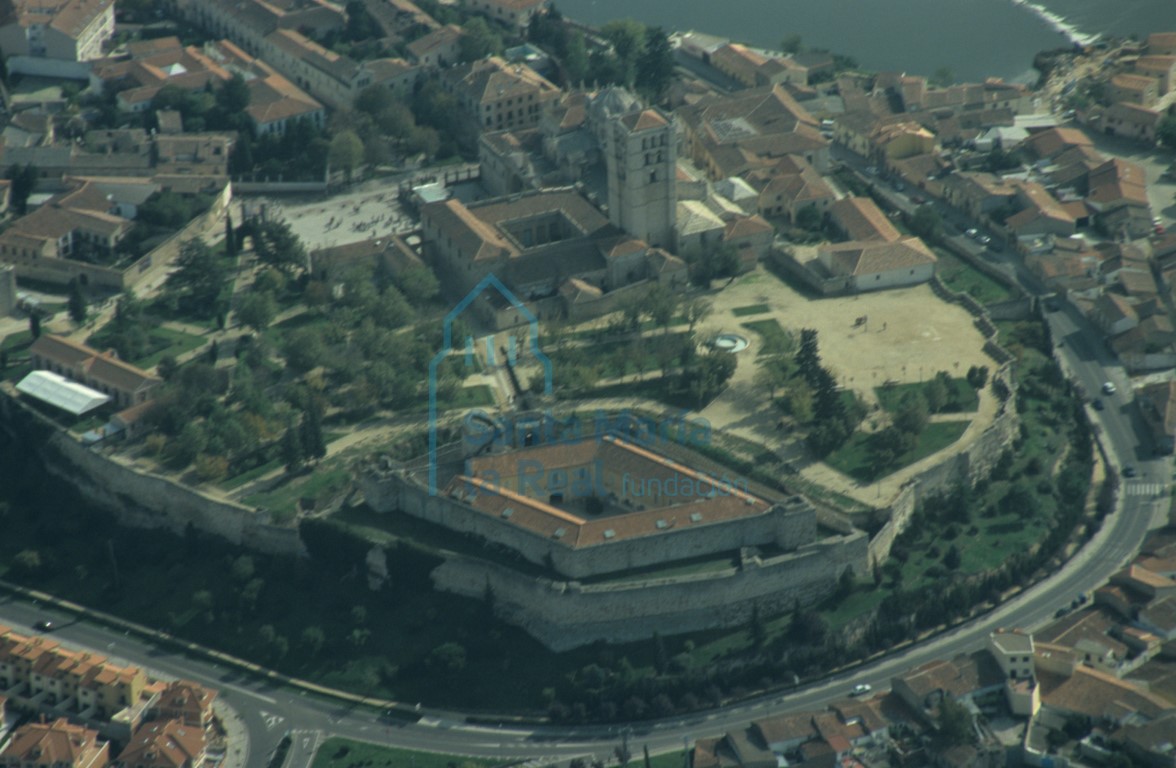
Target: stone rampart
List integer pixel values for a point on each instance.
(566, 614)
(138, 498)
(971, 464)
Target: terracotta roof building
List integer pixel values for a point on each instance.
(164, 744)
(65, 30)
(59, 744)
(103, 371)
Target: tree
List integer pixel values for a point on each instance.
(655, 64)
(936, 393)
(575, 59)
(230, 237)
(276, 243)
(942, 77)
(478, 40)
(313, 443)
(792, 44)
(1166, 132)
(211, 468)
(346, 152)
(627, 38)
(771, 376)
(697, 311)
(808, 357)
(447, 658)
(661, 303)
(24, 183)
(293, 454)
(912, 415)
(313, 638)
(955, 721)
(233, 96)
(198, 280)
(809, 218)
(952, 558)
(977, 376)
(925, 222)
(257, 310)
(77, 302)
(29, 561)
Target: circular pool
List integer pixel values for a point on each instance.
(730, 342)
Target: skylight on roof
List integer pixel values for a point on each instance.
(610, 533)
(507, 512)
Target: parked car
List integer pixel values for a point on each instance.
(1129, 471)
(1109, 388)
(971, 232)
(1096, 404)
(984, 239)
(861, 689)
(44, 625)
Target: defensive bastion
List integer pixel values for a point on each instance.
(619, 540)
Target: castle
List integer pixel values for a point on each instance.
(617, 533)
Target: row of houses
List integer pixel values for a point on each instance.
(1139, 86)
(1044, 683)
(283, 35)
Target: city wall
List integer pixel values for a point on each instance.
(972, 464)
(138, 498)
(567, 614)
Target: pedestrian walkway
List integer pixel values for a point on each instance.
(1145, 489)
(236, 736)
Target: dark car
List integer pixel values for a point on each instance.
(1128, 471)
(44, 625)
(1096, 404)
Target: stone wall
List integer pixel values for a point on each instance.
(564, 615)
(789, 525)
(138, 498)
(972, 464)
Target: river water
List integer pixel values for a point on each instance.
(972, 38)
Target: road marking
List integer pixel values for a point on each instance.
(271, 721)
(1146, 489)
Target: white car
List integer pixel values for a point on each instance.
(1109, 388)
(861, 689)
(972, 232)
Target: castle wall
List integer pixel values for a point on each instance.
(789, 525)
(564, 615)
(972, 464)
(140, 499)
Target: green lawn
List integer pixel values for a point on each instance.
(961, 398)
(776, 341)
(18, 340)
(964, 278)
(751, 309)
(236, 481)
(856, 457)
(320, 485)
(338, 752)
(167, 341)
(623, 357)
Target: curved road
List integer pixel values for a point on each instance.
(269, 711)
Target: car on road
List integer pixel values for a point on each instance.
(1129, 471)
(984, 239)
(861, 689)
(971, 232)
(44, 625)
(1109, 388)
(1096, 404)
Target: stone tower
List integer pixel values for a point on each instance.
(641, 157)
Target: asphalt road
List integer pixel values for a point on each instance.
(270, 712)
